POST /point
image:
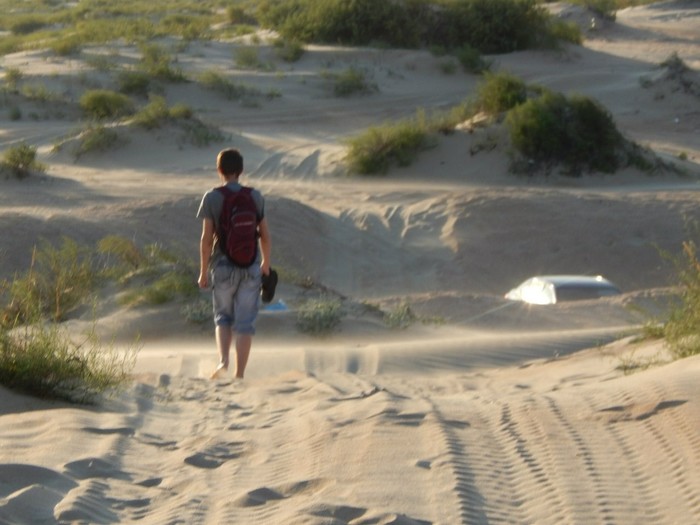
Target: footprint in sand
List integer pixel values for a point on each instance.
(94, 468)
(216, 455)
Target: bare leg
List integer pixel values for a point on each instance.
(224, 336)
(243, 344)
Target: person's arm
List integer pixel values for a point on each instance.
(265, 246)
(206, 243)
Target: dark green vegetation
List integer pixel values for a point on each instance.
(36, 355)
(20, 161)
(547, 130)
(489, 26)
(575, 132)
(43, 360)
(682, 330)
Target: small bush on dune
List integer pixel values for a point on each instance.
(152, 276)
(103, 104)
(188, 26)
(27, 24)
(500, 92)
(375, 150)
(471, 60)
(156, 61)
(360, 22)
(236, 14)
(495, 26)
(66, 46)
(134, 82)
(157, 112)
(349, 82)
(319, 316)
(97, 138)
(562, 31)
(152, 115)
(490, 26)
(121, 255)
(21, 160)
(59, 279)
(44, 361)
(400, 317)
(576, 132)
(682, 330)
(289, 50)
(215, 81)
(12, 78)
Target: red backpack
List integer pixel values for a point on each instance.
(238, 226)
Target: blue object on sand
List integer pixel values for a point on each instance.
(278, 306)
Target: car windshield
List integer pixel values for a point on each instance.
(578, 293)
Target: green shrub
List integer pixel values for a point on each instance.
(606, 8)
(152, 276)
(156, 61)
(350, 82)
(152, 115)
(58, 280)
(289, 50)
(562, 31)
(471, 60)
(248, 57)
(197, 312)
(181, 111)
(491, 26)
(682, 330)
(360, 22)
(448, 66)
(402, 316)
(21, 160)
(319, 316)
(44, 361)
(121, 255)
(376, 149)
(576, 132)
(96, 138)
(237, 15)
(675, 65)
(27, 24)
(189, 27)
(104, 104)
(15, 113)
(66, 46)
(201, 134)
(134, 82)
(10, 44)
(159, 282)
(39, 93)
(13, 76)
(500, 92)
(215, 81)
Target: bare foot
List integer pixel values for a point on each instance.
(219, 373)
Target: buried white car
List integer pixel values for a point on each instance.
(551, 289)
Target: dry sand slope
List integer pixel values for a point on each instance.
(503, 414)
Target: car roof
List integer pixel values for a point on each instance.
(575, 280)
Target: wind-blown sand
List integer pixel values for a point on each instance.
(499, 413)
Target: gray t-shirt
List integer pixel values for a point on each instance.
(212, 204)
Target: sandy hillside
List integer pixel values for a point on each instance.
(495, 412)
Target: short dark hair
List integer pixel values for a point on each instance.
(230, 162)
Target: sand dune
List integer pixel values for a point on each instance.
(493, 412)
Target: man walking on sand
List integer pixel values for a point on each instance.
(235, 287)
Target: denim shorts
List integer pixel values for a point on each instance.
(236, 296)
